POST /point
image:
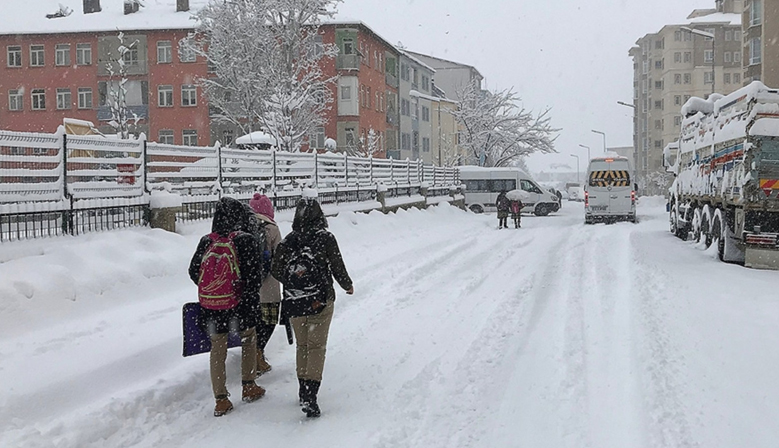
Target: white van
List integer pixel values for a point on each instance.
(609, 194)
(482, 186)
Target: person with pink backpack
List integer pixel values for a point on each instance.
(227, 267)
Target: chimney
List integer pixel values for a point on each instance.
(182, 5)
(130, 6)
(91, 6)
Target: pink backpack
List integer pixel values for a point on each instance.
(515, 207)
(219, 283)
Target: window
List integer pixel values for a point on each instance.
(677, 100)
(405, 107)
(658, 144)
(728, 57)
(678, 78)
(688, 56)
(190, 137)
(756, 13)
(711, 31)
(736, 78)
(737, 35)
(18, 151)
(659, 64)
(36, 56)
(728, 35)
(678, 35)
(15, 100)
(166, 136)
(85, 98)
(62, 55)
(686, 98)
(405, 141)
(368, 97)
(736, 56)
(687, 36)
(425, 113)
(707, 78)
(755, 51)
(659, 45)
(425, 144)
(708, 56)
(677, 120)
(83, 54)
(525, 185)
(63, 99)
(165, 96)
(678, 57)
(317, 138)
(14, 56)
(687, 78)
(658, 125)
(659, 85)
(188, 96)
(38, 99)
(164, 52)
(425, 83)
(187, 53)
(350, 140)
(727, 78)
(659, 104)
(348, 46)
(346, 92)
(404, 72)
(130, 56)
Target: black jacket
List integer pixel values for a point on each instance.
(231, 216)
(503, 204)
(309, 228)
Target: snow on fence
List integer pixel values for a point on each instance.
(53, 184)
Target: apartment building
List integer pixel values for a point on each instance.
(451, 77)
(761, 42)
(674, 64)
(416, 99)
(56, 66)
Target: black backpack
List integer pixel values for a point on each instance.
(305, 283)
(256, 227)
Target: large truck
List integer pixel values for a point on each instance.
(726, 167)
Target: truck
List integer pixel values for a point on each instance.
(726, 168)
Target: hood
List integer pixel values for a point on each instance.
(230, 215)
(308, 216)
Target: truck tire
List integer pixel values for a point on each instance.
(727, 249)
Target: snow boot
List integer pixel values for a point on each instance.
(262, 365)
(302, 392)
(310, 405)
(251, 392)
(223, 406)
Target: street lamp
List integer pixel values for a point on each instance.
(604, 139)
(622, 103)
(588, 152)
(707, 36)
(577, 166)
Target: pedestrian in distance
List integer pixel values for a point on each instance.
(516, 212)
(305, 263)
(504, 207)
(270, 292)
(226, 267)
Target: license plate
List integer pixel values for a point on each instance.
(598, 208)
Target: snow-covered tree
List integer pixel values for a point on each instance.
(116, 92)
(266, 58)
(497, 131)
(367, 146)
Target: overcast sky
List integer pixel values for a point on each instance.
(570, 55)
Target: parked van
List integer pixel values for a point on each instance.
(609, 194)
(482, 186)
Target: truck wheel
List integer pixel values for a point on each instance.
(673, 222)
(708, 235)
(696, 225)
(727, 249)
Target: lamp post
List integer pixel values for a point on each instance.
(604, 139)
(707, 36)
(577, 166)
(588, 152)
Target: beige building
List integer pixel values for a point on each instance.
(446, 152)
(761, 42)
(671, 66)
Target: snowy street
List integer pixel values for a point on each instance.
(458, 335)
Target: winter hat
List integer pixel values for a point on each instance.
(262, 204)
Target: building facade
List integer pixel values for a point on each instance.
(761, 42)
(416, 82)
(671, 66)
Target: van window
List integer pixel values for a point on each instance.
(477, 186)
(605, 174)
(529, 186)
(498, 185)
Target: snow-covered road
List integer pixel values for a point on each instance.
(458, 335)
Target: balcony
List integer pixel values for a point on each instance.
(391, 80)
(392, 118)
(347, 62)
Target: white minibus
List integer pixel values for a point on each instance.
(609, 194)
(482, 186)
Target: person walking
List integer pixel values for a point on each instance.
(305, 263)
(270, 292)
(226, 268)
(504, 206)
(516, 212)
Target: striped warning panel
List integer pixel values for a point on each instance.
(769, 185)
(610, 178)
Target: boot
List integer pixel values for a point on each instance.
(262, 365)
(223, 406)
(310, 405)
(302, 391)
(251, 392)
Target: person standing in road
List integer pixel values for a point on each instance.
(226, 267)
(270, 292)
(516, 212)
(305, 263)
(504, 206)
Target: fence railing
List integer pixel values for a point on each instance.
(53, 184)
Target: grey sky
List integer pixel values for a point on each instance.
(570, 55)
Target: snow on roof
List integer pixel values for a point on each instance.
(29, 17)
(445, 60)
(408, 55)
(354, 22)
(718, 17)
(256, 138)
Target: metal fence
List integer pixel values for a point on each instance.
(55, 184)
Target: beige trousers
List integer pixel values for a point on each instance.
(219, 356)
(311, 335)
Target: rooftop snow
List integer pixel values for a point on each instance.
(29, 17)
(256, 137)
(718, 17)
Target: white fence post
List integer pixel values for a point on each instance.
(273, 174)
(316, 169)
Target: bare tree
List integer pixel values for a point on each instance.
(116, 92)
(266, 58)
(498, 132)
(367, 145)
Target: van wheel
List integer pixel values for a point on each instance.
(541, 210)
(476, 208)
